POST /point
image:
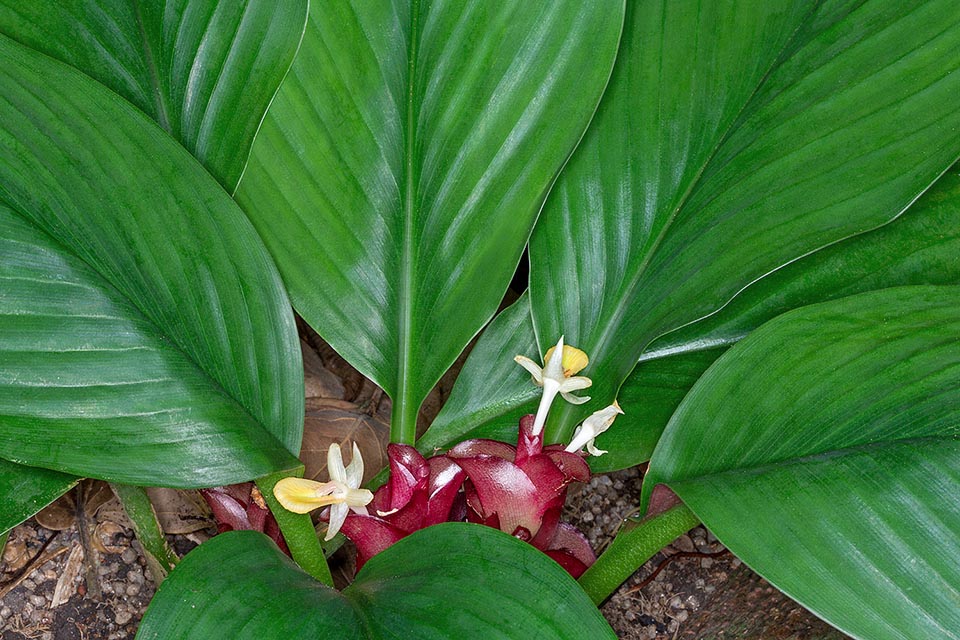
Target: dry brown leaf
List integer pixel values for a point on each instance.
(67, 583)
(15, 554)
(62, 512)
(343, 423)
(180, 512)
(318, 381)
(103, 537)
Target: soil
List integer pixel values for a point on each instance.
(693, 597)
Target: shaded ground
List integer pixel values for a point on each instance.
(692, 598)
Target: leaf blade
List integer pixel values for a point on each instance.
(107, 269)
(447, 101)
(204, 70)
(861, 431)
(471, 574)
(676, 242)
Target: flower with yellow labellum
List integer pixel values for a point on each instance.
(593, 426)
(342, 493)
(557, 376)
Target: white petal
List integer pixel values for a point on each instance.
(338, 513)
(354, 471)
(532, 367)
(335, 464)
(553, 368)
(572, 399)
(593, 450)
(575, 383)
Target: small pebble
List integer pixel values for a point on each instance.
(38, 600)
(123, 616)
(6, 612)
(684, 543)
(706, 563)
(29, 584)
(133, 589)
(682, 615)
(128, 555)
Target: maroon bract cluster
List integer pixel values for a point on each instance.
(519, 490)
(240, 507)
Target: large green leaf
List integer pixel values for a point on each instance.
(824, 450)
(26, 490)
(145, 333)
(401, 167)
(919, 247)
(450, 580)
(759, 132)
(205, 70)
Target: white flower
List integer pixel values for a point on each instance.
(593, 426)
(557, 376)
(342, 493)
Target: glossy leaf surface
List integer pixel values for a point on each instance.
(401, 167)
(26, 490)
(919, 247)
(760, 132)
(145, 333)
(204, 70)
(824, 450)
(472, 581)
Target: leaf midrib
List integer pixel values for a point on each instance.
(406, 289)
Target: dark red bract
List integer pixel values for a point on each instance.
(236, 508)
(519, 490)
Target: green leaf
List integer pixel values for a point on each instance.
(400, 169)
(824, 450)
(492, 392)
(145, 333)
(450, 580)
(759, 132)
(26, 490)
(919, 247)
(205, 70)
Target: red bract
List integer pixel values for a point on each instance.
(419, 493)
(240, 507)
(519, 490)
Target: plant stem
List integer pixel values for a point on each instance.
(298, 532)
(160, 557)
(632, 547)
(403, 421)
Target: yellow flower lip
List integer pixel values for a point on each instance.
(572, 360)
(342, 493)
